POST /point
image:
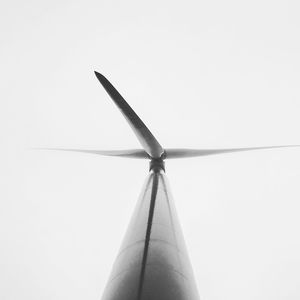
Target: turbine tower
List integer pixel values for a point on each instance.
(152, 263)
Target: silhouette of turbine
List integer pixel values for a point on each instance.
(152, 263)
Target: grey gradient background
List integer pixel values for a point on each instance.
(200, 74)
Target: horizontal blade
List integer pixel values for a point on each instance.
(185, 153)
(145, 137)
(132, 153)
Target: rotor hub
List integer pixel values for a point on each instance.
(157, 165)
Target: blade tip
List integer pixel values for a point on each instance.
(98, 75)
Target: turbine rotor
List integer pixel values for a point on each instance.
(151, 147)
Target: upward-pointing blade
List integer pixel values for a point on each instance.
(145, 137)
(185, 153)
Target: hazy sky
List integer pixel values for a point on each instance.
(201, 74)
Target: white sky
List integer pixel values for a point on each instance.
(200, 74)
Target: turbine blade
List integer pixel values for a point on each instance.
(184, 153)
(131, 153)
(145, 137)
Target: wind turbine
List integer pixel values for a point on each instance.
(152, 263)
